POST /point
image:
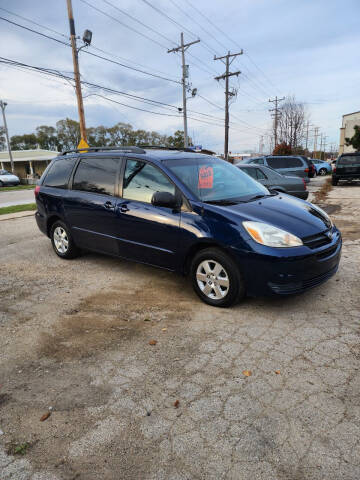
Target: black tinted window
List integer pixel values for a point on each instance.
(142, 180)
(276, 162)
(293, 162)
(59, 173)
(349, 160)
(97, 175)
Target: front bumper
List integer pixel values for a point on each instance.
(284, 273)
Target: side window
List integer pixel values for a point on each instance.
(97, 175)
(142, 180)
(258, 161)
(260, 175)
(251, 172)
(275, 162)
(294, 162)
(59, 173)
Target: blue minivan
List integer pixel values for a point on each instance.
(190, 213)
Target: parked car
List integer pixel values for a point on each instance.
(286, 165)
(322, 167)
(347, 167)
(273, 180)
(190, 213)
(8, 179)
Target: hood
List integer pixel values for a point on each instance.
(10, 177)
(283, 211)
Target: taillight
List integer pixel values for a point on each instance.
(304, 183)
(306, 170)
(37, 190)
(334, 170)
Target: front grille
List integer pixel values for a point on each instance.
(318, 240)
(327, 253)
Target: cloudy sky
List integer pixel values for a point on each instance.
(307, 48)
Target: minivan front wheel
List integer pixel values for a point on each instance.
(62, 241)
(216, 279)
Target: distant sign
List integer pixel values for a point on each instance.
(196, 148)
(82, 145)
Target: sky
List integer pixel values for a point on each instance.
(307, 48)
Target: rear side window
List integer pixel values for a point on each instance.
(276, 162)
(258, 161)
(142, 180)
(250, 171)
(349, 160)
(260, 175)
(96, 175)
(59, 173)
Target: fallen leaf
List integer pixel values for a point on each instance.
(45, 416)
(147, 320)
(247, 373)
(153, 342)
(176, 404)
(164, 329)
(277, 372)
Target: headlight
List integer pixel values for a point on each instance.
(271, 236)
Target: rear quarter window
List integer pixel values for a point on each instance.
(59, 173)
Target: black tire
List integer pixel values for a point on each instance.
(236, 287)
(1, 184)
(334, 181)
(71, 250)
(322, 171)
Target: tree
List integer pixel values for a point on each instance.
(28, 141)
(68, 134)
(354, 141)
(282, 149)
(2, 138)
(292, 123)
(46, 137)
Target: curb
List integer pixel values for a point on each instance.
(11, 216)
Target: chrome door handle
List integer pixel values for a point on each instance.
(109, 205)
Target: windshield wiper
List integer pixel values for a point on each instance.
(222, 202)
(261, 196)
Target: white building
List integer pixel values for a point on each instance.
(347, 130)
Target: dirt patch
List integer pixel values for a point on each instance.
(330, 209)
(321, 194)
(110, 319)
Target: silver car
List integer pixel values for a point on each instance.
(7, 179)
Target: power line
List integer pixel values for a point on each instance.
(90, 53)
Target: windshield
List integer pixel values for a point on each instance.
(349, 160)
(4, 172)
(211, 179)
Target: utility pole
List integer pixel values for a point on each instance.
(307, 135)
(185, 74)
(75, 55)
(228, 94)
(3, 105)
(324, 145)
(316, 134)
(277, 114)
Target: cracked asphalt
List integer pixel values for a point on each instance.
(75, 336)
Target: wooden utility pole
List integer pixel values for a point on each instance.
(276, 100)
(316, 134)
(3, 105)
(185, 74)
(228, 94)
(76, 72)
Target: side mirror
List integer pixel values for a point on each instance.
(164, 199)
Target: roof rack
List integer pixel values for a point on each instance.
(100, 149)
(163, 147)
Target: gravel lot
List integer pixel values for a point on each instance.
(74, 336)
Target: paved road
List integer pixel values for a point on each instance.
(16, 197)
(74, 335)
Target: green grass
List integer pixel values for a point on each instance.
(18, 187)
(17, 208)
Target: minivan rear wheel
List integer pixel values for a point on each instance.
(215, 278)
(62, 241)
